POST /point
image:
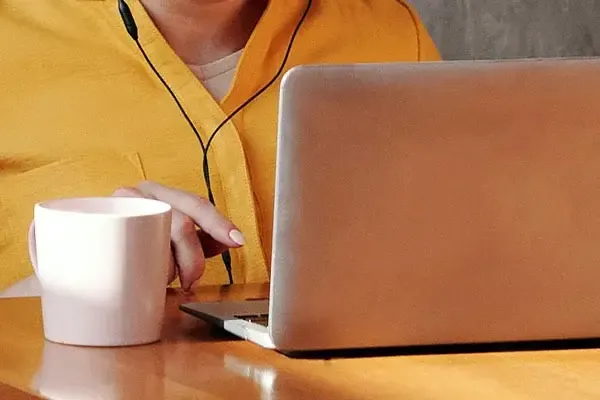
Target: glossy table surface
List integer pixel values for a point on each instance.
(194, 361)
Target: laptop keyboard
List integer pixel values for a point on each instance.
(260, 319)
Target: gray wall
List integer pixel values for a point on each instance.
(487, 29)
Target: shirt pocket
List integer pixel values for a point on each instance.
(91, 174)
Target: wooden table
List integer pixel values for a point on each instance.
(195, 362)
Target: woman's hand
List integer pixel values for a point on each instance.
(198, 230)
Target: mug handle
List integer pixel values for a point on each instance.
(32, 247)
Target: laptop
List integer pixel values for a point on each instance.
(422, 204)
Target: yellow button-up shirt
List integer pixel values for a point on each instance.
(81, 113)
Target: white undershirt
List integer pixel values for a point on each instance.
(218, 75)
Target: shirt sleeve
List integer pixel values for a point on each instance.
(428, 51)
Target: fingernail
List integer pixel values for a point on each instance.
(237, 237)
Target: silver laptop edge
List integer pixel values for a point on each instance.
(452, 265)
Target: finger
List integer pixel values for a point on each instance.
(210, 246)
(172, 268)
(202, 212)
(128, 192)
(187, 249)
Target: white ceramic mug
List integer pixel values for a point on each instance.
(103, 266)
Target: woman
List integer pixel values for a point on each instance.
(84, 113)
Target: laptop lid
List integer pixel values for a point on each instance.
(437, 203)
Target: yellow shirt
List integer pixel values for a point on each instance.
(82, 114)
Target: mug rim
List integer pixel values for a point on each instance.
(150, 207)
